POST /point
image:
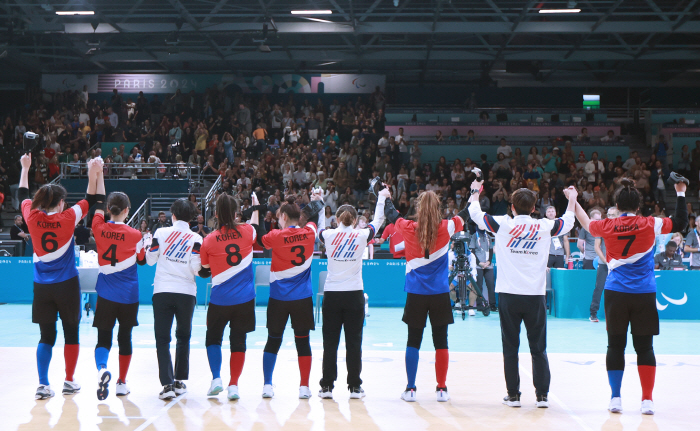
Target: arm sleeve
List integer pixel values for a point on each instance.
(321, 222)
(390, 212)
(680, 219)
(260, 233)
(472, 265)
(196, 259)
(80, 209)
(140, 250)
(379, 216)
(154, 252)
(563, 224)
(483, 220)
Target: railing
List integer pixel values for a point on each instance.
(206, 204)
(134, 170)
(141, 213)
(163, 201)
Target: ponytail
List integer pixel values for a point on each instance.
(226, 207)
(346, 215)
(428, 220)
(290, 208)
(627, 197)
(48, 196)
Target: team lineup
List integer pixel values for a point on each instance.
(226, 256)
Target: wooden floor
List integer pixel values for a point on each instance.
(579, 396)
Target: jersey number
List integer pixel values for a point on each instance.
(47, 243)
(630, 239)
(300, 255)
(233, 251)
(111, 255)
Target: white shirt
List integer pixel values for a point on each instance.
(522, 248)
(590, 170)
(382, 144)
(628, 164)
(176, 250)
(505, 150)
(345, 247)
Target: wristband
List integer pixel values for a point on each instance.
(680, 194)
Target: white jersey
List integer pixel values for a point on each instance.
(345, 247)
(176, 250)
(522, 248)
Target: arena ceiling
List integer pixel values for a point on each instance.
(610, 42)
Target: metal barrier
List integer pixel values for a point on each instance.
(209, 199)
(134, 171)
(141, 213)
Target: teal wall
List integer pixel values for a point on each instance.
(137, 190)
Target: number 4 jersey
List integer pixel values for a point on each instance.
(292, 252)
(52, 237)
(229, 254)
(629, 242)
(119, 249)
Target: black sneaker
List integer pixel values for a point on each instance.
(512, 400)
(179, 387)
(494, 308)
(167, 393)
(326, 392)
(357, 393)
(542, 402)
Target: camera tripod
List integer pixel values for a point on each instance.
(466, 285)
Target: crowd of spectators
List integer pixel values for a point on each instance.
(288, 145)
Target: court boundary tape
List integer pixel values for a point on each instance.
(154, 418)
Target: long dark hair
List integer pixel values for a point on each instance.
(226, 207)
(48, 196)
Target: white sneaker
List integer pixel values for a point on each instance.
(43, 392)
(615, 405)
(304, 393)
(103, 379)
(233, 393)
(409, 395)
(542, 402)
(216, 387)
(442, 395)
(122, 389)
(647, 407)
(472, 312)
(71, 387)
(268, 391)
(327, 393)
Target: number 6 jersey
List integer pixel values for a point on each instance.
(52, 236)
(119, 249)
(229, 254)
(292, 252)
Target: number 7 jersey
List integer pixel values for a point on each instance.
(292, 252)
(119, 249)
(629, 243)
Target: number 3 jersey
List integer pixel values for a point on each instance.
(229, 254)
(629, 243)
(119, 249)
(52, 236)
(292, 252)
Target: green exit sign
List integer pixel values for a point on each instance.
(591, 101)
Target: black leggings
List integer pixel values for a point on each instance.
(415, 337)
(237, 339)
(301, 339)
(643, 345)
(104, 339)
(48, 333)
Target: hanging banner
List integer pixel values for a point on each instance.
(258, 84)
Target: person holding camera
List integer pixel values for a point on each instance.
(522, 250)
(344, 299)
(483, 250)
(427, 241)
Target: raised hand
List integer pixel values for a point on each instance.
(26, 161)
(681, 187)
(385, 192)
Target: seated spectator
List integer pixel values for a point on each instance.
(454, 136)
(610, 137)
(504, 149)
(669, 260)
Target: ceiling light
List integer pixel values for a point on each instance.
(560, 10)
(317, 19)
(312, 12)
(75, 12)
(326, 64)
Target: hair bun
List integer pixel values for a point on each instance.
(626, 182)
(291, 200)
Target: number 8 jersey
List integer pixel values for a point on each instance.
(119, 249)
(629, 243)
(292, 252)
(52, 236)
(229, 254)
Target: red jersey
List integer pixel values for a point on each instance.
(54, 253)
(119, 249)
(292, 252)
(427, 275)
(229, 254)
(395, 241)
